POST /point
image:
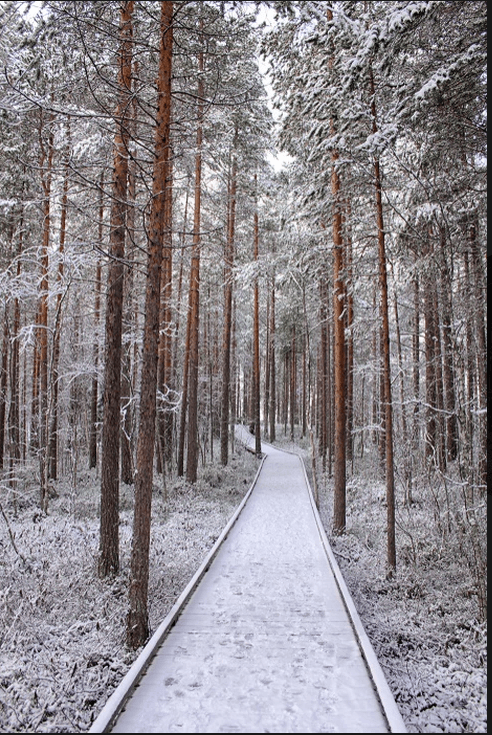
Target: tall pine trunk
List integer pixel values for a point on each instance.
(194, 292)
(53, 437)
(3, 383)
(46, 166)
(272, 411)
(448, 365)
(184, 395)
(385, 331)
(228, 286)
(137, 620)
(93, 432)
(479, 299)
(256, 334)
(339, 470)
(430, 322)
(350, 340)
(166, 356)
(127, 440)
(110, 446)
(14, 428)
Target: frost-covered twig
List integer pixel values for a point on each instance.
(342, 556)
(11, 535)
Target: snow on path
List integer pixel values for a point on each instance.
(264, 643)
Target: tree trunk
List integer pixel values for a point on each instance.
(388, 403)
(166, 293)
(194, 292)
(34, 427)
(228, 286)
(448, 366)
(407, 467)
(15, 393)
(46, 166)
(339, 335)
(350, 340)
(266, 394)
(273, 381)
(339, 361)
(416, 367)
(165, 421)
(323, 373)
(184, 395)
(3, 383)
(110, 444)
(127, 367)
(305, 388)
(95, 349)
(53, 438)
(441, 453)
(234, 377)
(293, 384)
(480, 300)
(430, 317)
(137, 619)
(256, 334)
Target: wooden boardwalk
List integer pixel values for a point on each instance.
(265, 638)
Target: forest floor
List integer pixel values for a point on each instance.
(62, 629)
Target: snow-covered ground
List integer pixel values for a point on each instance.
(62, 629)
(422, 624)
(62, 648)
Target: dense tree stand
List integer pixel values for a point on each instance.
(177, 258)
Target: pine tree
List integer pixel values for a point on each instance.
(137, 619)
(110, 448)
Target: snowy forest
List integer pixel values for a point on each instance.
(267, 213)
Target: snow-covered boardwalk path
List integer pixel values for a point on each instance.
(264, 643)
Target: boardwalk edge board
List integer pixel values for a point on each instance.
(384, 693)
(113, 707)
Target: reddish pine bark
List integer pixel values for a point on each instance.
(273, 381)
(256, 340)
(448, 366)
(95, 348)
(194, 294)
(110, 444)
(129, 322)
(480, 301)
(350, 341)
(385, 333)
(14, 409)
(137, 620)
(323, 373)
(339, 469)
(226, 346)
(3, 383)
